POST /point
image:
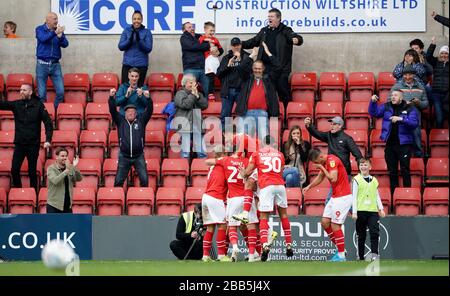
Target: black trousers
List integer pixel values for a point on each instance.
(31, 152)
(53, 210)
(283, 89)
(211, 83)
(180, 248)
(371, 220)
(142, 74)
(393, 154)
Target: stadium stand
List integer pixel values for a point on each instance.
(193, 196)
(5, 173)
(42, 201)
(169, 201)
(153, 171)
(91, 170)
(332, 87)
(110, 201)
(296, 112)
(175, 172)
(385, 82)
(83, 201)
(294, 199)
(2, 200)
(199, 173)
(140, 201)
(76, 88)
(101, 85)
(325, 111)
(361, 86)
(161, 86)
(437, 171)
(22, 200)
(314, 201)
(98, 117)
(438, 143)
(407, 201)
(304, 87)
(93, 144)
(356, 115)
(435, 201)
(70, 117)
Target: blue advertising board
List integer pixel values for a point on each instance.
(22, 237)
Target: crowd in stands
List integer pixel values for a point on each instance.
(254, 88)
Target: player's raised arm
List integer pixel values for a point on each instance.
(331, 176)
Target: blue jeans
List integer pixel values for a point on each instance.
(436, 100)
(227, 104)
(201, 77)
(198, 144)
(43, 71)
(255, 120)
(292, 177)
(124, 167)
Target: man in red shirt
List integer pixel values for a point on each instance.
(213, 209)
(269, 163)
(337, 208)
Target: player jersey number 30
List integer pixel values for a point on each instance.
(273, 164)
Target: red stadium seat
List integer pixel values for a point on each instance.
(357, 115)
(101, 85)
(179, 78)
(435, 201)
(361, 86)
(5, 172)
(173, 145)
(417, 171)
(113, 144)
(153, 172)
(7, 144)
(314, 201)
(69, 117)
(175, 172)
(2, 200)
(22, 200)
(386, 198)
(297, 112)
(294, 199)
(304, 87)
(169, 201)
(407, 201)
(437, 171)
(376, 144)
(42, 201)
(325, 111)
(140, 201)
(2, 86)
(438, 142)
(83, 200)
(110, 201)
(154, 145)
(24, 173)
(385, 81)
(109, 173)
(217, 88)
(354, 166)
(161, 86)
(66, 139)
(93, 144)
(158, 122)
(199, 172)
(76, 88)
(13, 83)
(214, 109)
(332, 86)
(361, 139)
(193, 196)
(6, 120)
(91, 170)
(379, 170)
(98, 117)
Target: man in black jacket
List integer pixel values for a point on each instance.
(189, 234)
(280, 40)
(131, 131)
(232, 73)
(28, 112)
(193, 55)
(258, 101)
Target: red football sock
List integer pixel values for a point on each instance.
(330, 234)
(340, 242)
(251, 241)
(232, 234)
(244, 232)
(248, 199)
(287, 230)
(258, 243)
(207, 243)
(263, 228)
(221, 245)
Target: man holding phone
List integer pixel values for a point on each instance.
(231, 74)
(130, 94)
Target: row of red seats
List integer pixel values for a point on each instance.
(172, 201)
(332, 86)
(178, 173)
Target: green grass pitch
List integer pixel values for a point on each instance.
(272, 268)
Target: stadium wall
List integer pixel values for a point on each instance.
(148, 238)
(98, 53)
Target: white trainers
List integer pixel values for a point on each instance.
(234, 255)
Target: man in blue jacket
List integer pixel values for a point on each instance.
(131, 131)
(399, 121)
(50, 38)
(136, 42)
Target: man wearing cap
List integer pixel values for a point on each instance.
(439, 94)
(131, 132)
(413, 93)
(339, 143)
(231, 73)
(280, 40)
